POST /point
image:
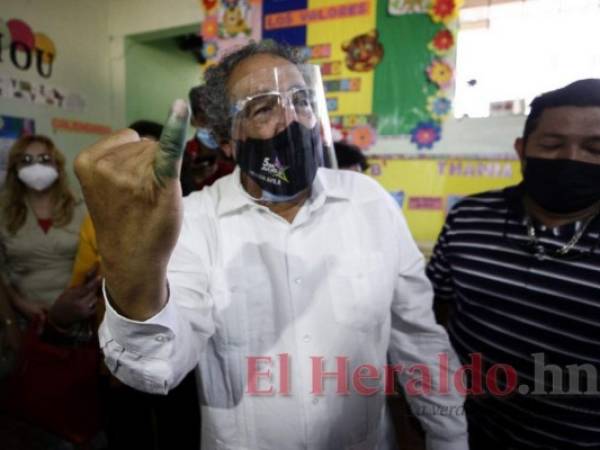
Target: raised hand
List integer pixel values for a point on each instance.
(131, 187)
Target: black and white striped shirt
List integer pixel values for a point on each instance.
(510, 304)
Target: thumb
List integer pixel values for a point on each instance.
(167, 161)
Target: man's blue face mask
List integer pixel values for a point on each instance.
(207, 139)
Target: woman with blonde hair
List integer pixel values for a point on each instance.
(53, 386)
(40, 219)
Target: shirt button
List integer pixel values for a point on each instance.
(298, 281)
(306, 338)
(315, 401)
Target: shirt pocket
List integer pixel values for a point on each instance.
(246, 317)
(357, 294)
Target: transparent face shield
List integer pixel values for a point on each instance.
(281, 130)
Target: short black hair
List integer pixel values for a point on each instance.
(147, 128)
(349, 155)
(198, 100)
(580, 93)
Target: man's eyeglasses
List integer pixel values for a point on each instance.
(264, 107)
(28, 160)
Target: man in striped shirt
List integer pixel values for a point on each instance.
(520, 269)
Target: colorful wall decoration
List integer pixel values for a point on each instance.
(386, 64)
(229, 24)
(26, 49)
(40, 93)
(414, 90)
(342, 37)
(426, 189)
(76, 126)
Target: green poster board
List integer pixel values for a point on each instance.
(401, 87)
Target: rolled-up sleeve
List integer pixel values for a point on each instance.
(155, 355)
(419, 344)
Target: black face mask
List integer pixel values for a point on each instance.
(284, 165)
(562, 186)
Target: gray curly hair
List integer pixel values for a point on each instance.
(214, 98)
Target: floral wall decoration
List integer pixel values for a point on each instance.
(444, 11)
(439, 73)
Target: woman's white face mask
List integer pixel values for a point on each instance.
(38, 176)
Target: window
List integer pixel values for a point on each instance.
(508, 52)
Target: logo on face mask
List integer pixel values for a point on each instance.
(275, 169)
(284, 165)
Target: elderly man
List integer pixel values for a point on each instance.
(522, 267)
(285, 284)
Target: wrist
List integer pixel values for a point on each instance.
(138, 302)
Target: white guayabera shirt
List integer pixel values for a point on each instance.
(265, 310)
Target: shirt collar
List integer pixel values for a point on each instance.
(233, 196)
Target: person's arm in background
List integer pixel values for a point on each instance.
(87, 258)
(416, 338)
(440, 275)
(151, 337)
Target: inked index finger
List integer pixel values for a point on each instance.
(172, 142)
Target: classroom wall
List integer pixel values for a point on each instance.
(139, 31)
(469, 137)
(490, 137)
(120, 56)
(79, 29)
(157, 72)
(400, 77)
(171, 74)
